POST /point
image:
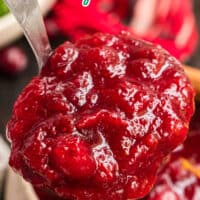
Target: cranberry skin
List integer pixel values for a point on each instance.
(100, 118)
(72, 156)
(13, 60)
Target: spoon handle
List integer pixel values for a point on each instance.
(28, 15)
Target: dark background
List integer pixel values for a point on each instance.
(10, 87)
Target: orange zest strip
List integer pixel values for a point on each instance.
(187, 165)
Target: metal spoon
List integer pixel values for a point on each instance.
(28, 15)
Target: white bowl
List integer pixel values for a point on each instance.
(16, 188)
(9, 28)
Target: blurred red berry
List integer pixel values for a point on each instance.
(12, 60)
(168, 23)
(51, 27)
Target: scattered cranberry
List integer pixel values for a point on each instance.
(75, 21)
(159, 21)
(52, 28)
(164, 22)
(13, 60)
(100, 119)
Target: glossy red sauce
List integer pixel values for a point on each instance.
(100, 118)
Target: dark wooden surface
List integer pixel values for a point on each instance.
(11, 87)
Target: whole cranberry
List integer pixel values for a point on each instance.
(13, 60)
(52, 27)
(100, 118)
